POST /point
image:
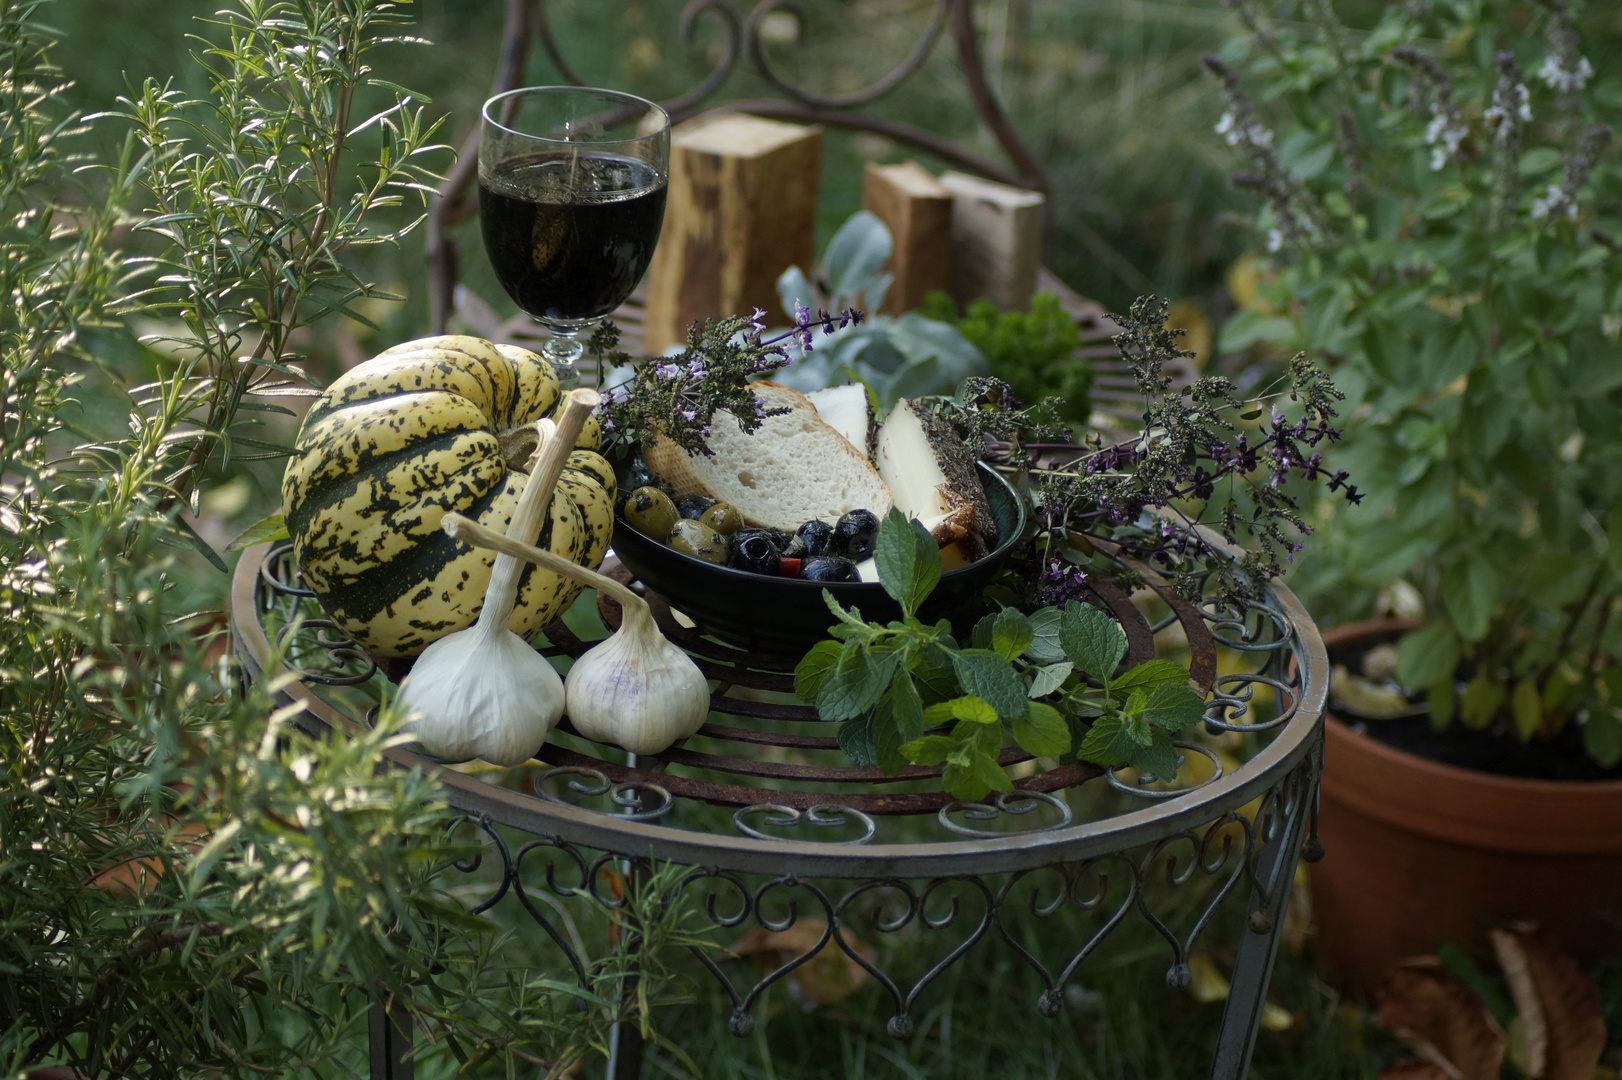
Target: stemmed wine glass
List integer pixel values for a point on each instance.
(571, 199)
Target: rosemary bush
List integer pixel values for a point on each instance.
(187, 883)
(1440, 206)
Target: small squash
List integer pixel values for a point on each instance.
(430, 427)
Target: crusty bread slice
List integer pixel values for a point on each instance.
(792, 469)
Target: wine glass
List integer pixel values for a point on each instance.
(571, 199)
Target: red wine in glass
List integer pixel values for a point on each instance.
(571, 199)
(570, 235)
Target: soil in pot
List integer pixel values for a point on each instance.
(1420, 851)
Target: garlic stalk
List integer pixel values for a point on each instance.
(485, 692)
(637, 688)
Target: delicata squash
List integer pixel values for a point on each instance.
(430, 427)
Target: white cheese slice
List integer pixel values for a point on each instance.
(928, 469)
(848, 410)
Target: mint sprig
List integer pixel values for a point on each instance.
(908, 693)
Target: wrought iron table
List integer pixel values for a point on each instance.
(1023, 848)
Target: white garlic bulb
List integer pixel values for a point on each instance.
(636, 689)
(484, 692)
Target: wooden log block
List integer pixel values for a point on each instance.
(996, 240)
(917, 210)
(741, 209)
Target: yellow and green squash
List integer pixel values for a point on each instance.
(428, 427)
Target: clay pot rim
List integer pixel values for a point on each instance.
(1339, 635)
(1450, 802)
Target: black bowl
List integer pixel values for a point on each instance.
(788, 615)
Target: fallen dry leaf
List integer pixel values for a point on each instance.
(1558, 1005)
(828, 978)
(1444, 1021)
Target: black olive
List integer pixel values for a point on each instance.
(698, 540)
(693, 506)
(829, 568)
(753, 550)
(856, 534)
(818, 537)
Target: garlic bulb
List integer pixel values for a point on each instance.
(485, 692)
(637, 688)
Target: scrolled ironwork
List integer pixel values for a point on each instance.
(1013, 803)
(872, 92)
(822, 815)
(1142, 790)
(628, 795)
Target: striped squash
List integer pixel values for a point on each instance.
(428, 427)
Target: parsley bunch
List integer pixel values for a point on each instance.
(907, 693)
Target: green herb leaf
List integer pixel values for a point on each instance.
(935, 683)
(989, 773)
(908, 560)
(1482, 699)
(887, 741)
(814, 668)
(1151, 674)
(906, 708)
(203, 547)
(1092, 639)
(1045, 680)
(851, 618)
(1105, 742)
(1428, 656)
(990, 678)
(929, 750)
(1442, 700)
(1042, 731)
(1158, 759)
(1602, 737)
(969, 708)
(1527, 706)
(1011, 633)
(268, 528)
(856, 740)
(1045, 647)
(856, 682)
(1171, 707)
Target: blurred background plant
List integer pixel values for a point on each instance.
(1439, 206)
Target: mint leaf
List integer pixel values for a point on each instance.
(1011, 633)
(991, 678)
(1133, 724)
(1173, 708)
(961, 783)
(1104, 743)
(887, 741)
(856, 682)
(1152, 674)
(856, 740)
(814, 668)
(980, 636)
(851, 618)
(1158, 759)
(906, 708)
(1045, 647)
(1042, 731)
(935, 683)
(1092, 639)
(989, 773)
(908, 560)
(1048, 679)
(929, 750)
(969, 708)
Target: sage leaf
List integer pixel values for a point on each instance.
(1042, 731)
(1092, 639)
(908, 560)
(1045, 680)
(1011, 633)
(991, 678)
(1045, 647)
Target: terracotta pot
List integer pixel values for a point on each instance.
(1418, 853)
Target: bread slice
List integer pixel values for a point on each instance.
(848, 410)
(792, 469)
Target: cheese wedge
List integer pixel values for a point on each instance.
(929, 471)
(849, 411)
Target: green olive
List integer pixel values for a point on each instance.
(698, 540)
(723, 517)
(650, 512)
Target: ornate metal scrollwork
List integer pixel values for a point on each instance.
(1142, 789)
(1015, 803)
(629, 795)
(823, 815)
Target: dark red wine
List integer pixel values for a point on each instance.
(570, 235)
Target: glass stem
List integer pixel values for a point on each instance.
(561, 352)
